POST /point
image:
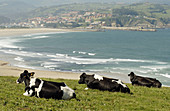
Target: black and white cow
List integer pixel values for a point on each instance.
(102, 83)
(144, 81)
(45, 89)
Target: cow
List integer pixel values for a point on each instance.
(103, 83)
(45, 89)
(144, 81)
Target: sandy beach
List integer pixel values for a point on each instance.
(15, 32)
(6, 69)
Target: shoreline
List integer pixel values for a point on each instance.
(19, 32)
(6, 69)
(130, 29)
(24, 31)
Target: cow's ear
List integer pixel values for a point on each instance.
(32, 74)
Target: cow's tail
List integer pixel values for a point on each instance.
(131, 93)
(125, 90)
(74, 96)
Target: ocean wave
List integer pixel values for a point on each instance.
(8, 43)
(130, 69)
(92, 54)
(78, 60)
(40, 37)
(19, 59)
(84, 53)
(45, 33)
(22, 53)
(50, 66)
(24, 66)
(156, 68)
(166, 75)
(61, 55)
(47, 63)
(130, 60)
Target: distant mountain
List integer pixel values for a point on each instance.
(11, 8)
(144, 9)
(157, 1)
(41, 3)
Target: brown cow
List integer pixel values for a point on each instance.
(144, 81)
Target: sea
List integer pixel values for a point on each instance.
(104, 53)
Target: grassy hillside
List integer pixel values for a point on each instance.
(148, 9)
(55, 10)
(148, 99)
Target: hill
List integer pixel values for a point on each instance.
(9, 8)
(144, 15)
(143, 98)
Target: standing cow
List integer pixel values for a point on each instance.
(144, 81)
(45, 89)
(102, 83)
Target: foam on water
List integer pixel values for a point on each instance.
(92, 54)
(79, 60)
(40, 37)
(19, 59)
(84, 53)
(8, 43)
(22, 53)
(47, 33)
(156, 68)
(166, 75)
(25, 66)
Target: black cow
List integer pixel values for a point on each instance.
(45, 89)
(102, 83)
(144, 81)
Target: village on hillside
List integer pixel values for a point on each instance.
(156, 16)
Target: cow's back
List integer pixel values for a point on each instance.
(50, 91)
(142, 81)
(156, 83)
(108, 85)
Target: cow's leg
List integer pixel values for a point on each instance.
(28, 92)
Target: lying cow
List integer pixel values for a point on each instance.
(45, 89)
(144, 81)
(102, 83)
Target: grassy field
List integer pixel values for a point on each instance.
(147, 99)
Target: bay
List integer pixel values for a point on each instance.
(105, 53)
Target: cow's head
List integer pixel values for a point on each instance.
(131, 74)
(82, 78)
(25, 75)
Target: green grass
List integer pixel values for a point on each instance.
(148, 99)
